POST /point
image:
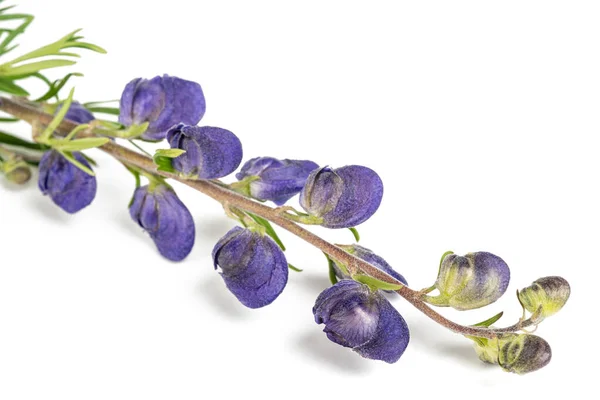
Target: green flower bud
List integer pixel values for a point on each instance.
(550, 293)
(16, 171)
(518, 353)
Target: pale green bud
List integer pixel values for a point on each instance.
(16, 171)
(518, 353)
(550, 293)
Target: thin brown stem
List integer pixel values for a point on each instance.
(223, 195)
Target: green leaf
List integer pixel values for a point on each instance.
(355, 233)
(290, 266)
(104, 110)
(9, 119)
(76, 163)
(375, 283)
(8, 86)
(79, 144)
(488, 322)
(164, 164)
(332, 276)
(169, 153)
(60, 115)
(9, 139)
(268, 229)
(55, 87)
(35, 67)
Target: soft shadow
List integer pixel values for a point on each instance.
(13, 187)
(313, 283)
(213, 292)
(211, 229)
(429, 338)
(315, 346)
(44, 205)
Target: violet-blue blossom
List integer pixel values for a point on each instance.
(77, 113)
(163, 101)
(367, 255)
(362, 319)
(211, 152)
(252, 265)
(69, 187)
(276, 180)
(471, 281)
(342, 197)
(158, 210)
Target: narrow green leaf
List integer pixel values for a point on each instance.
(104, 110)
(375, 283)
(80, 144)
(355, 233)
(55, 87)
(169, 153)
(9, 139)
(96, 103)
(9, 119)
(488, 322)
(60, 115)
(90, 160)
(332, 276)
(35, 67)
(8, 86)
(290, 266)
(268, 229)
(76, 163)
(87, 46)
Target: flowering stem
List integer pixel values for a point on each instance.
(24, 111)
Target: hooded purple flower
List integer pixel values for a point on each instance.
(471, 281)
(77, 113)
(253, 266)
(343, 197)
(69, 187)
(163, 101)
(160, 212)
(367, 255)
(279, 180)
(211, 153)
(356, 317)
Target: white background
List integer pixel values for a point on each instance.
(481, 118)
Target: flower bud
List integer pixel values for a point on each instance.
(342, 197)
(252, 265)
(368, 256)
(211, 153)
(162, 101)
(16, 171)
(77, 113)
(158, 210)
(356, 317)
(471, 281)
(519, 353)
(550, 293)
(277, 180)
(69, 187)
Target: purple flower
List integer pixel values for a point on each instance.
(368, 256)
(158, 210)
(210, 152)
(253, 266)
(278, 180)
(77, 113)
(471, 281)
(356, 317)
(69, 187)
(343, 197)
(163, 101)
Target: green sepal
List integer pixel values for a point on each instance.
(488, 322)
(163, 159)
(58, 118)
(290, 266)
(117, 130)
(76, 163)
(268, 229)
(78, 144)
(355, 233)
(375, 283)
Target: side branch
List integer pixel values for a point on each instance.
(26, 112)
